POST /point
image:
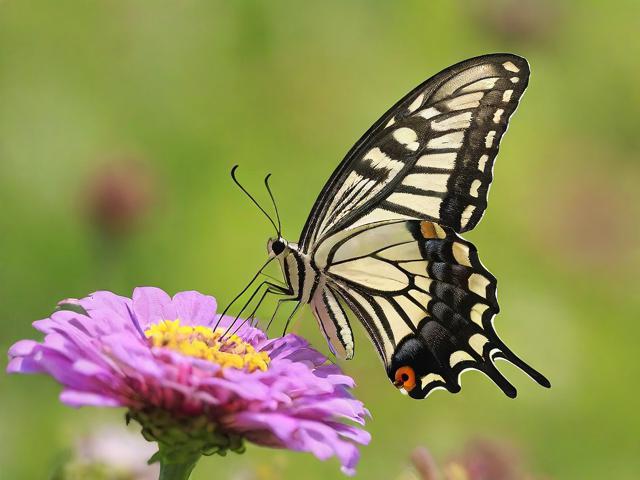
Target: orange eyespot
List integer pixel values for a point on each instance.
(405, 378)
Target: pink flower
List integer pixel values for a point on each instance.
(161, 358)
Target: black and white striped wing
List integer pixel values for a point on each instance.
(423, 296)
(430, 157)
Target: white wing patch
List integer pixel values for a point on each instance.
(407, 137)
(416, 267)
(478, 284)
(450, 140)
(480, 85)
(482, 163)
(460, 121)
(403, 252)
(437, 160)
(436, 182)
(381, 161)
(463, 102)
(428, 113)
(466, 215)
(477, 342)
(461, 254)
(416, 104)
(419, 296)
(424, 204)
(459, 356)
(477, 311)
(371, 273)
(431, 378)
(511, 67)
(489, 138)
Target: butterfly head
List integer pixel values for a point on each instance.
(276, 246)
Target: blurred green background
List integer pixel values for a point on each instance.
(120, 121)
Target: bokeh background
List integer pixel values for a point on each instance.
(120, 121)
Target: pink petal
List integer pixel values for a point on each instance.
(74, 398)
(194, 308)
(152, 305)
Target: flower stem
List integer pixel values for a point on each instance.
(177, 471)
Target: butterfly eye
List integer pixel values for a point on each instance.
(277, 247)
(405, 378)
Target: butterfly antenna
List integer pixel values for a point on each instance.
(235, 179)
(273, 200)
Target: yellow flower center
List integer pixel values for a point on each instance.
(207, 344)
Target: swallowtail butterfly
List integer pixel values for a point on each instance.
(383, 238)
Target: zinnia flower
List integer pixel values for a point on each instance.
(193, 390)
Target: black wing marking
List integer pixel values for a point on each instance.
(430, 156)
(431, 310)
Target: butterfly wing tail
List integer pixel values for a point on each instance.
(506, 354)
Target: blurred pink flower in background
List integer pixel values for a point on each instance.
(486, 460)
(118, 195)
(424, 464)
(522, 21)
(481, 459)
(590, 229)
(110, 453)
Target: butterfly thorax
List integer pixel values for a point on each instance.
(300, 274)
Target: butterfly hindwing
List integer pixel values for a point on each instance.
(333, 322)
(430, 156)
(425, 298)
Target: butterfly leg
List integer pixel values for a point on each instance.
(271, 288)
(275, 312)
(293, 312)
(256, 307)
(252, 315)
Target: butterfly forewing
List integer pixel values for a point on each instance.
(430, 156)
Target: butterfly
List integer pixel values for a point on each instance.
(383, 238)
